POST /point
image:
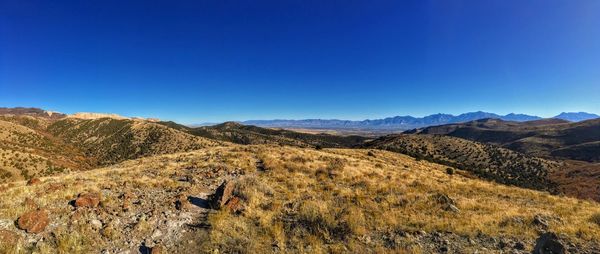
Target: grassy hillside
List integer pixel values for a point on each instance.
(27, 153)
(548, 138)
(486, 161)
(114, 140)
(291, 200)
(33, 146)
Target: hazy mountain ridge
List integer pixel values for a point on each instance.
(576, 116)
(408, 122)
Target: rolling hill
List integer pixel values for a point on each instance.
(34, 146)
(547, 138)
(486, 161)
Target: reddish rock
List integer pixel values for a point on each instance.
(33, 222)
(223, 193)
(9, 237)
(224, 198)
(34, 181)
(88, 200)
(234, 204)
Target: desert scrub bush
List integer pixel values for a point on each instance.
(595, 219)
(322, 220)
(4, 174)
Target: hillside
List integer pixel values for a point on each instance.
(252, 135)
(549, 138)
(34, 146)
(27, 153)
(112, 140)
(486, 161)
(289, 200)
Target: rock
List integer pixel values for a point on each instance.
(444, 199)
(34, 181)
(33, 222)
(157, 234)
(88, 200)
(540, 221)
(548, 243)
(96, 224)
(222, 195)
(234, 205)
(452, 208)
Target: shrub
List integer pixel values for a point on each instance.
(450, 171)
(595, 219)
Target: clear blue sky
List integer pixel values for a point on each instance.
(198, 61)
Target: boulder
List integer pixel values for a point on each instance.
(91, 199)
(548, 243)
(223, 194)
(33, 222)
(446, 202)
(225, 198)
(234, 204)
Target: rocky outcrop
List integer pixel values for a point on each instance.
(549, 243)
(224, 198)
(33, 222)
(91, 200)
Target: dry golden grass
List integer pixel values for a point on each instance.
(332, 200)
(313, 201)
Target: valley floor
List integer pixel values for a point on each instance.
(287, 200)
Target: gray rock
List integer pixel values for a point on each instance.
(540, 221)
(548, 243)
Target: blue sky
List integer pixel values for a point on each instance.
(210, 61)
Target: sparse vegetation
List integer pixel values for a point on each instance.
(289, 199)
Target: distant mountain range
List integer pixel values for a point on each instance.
(409, 122)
